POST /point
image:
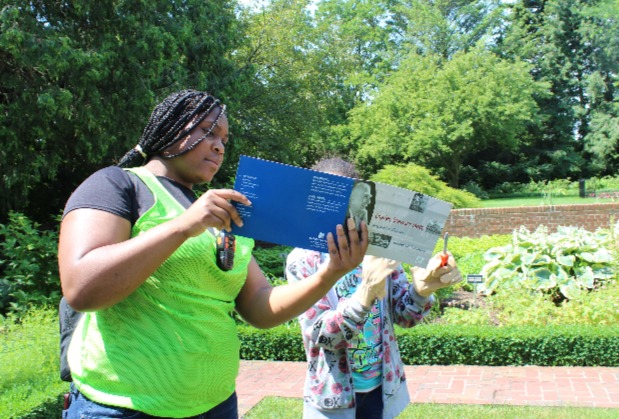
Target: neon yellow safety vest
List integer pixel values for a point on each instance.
(170, 348)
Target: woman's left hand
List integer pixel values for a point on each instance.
(350, 249)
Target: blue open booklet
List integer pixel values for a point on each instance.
(297, 207)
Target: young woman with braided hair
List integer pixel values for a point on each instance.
(137, 257)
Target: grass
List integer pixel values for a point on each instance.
(282, 407)
(29, 354)
(539, 201)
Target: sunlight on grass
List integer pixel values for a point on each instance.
(29, 363)
(290, 408)
(540, 201)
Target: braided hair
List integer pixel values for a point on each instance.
(170, 122)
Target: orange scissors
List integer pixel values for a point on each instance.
(445, 256)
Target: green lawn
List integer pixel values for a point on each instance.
(290, 408)
(533, 201)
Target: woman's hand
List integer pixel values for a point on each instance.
(213, 209)
(349, 251)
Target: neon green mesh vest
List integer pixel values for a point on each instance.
(170, 348)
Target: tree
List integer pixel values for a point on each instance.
(567, 43)
(444, 27)
(376, 37)
(601, 31)
(437, 115)
(280, 109)
(78, 81)
(306, 70)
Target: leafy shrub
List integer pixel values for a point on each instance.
(603, 183)
(469, 317)
(272, 260)
(436, 344)
(549, 188)
(522, 307)
(476, 190)
(563, 264)
(505, 188)
(28, 265)
(282, 343)
(421, 180)
(469, 251)
(507, 308)
(596, 308)
(571, 345)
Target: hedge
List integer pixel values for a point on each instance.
(435, 344)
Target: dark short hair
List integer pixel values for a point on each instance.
(336, 165)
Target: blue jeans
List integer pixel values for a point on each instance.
(84, 408)
(370, 404)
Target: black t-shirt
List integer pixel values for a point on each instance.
(122, 193)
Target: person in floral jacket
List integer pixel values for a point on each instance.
(354, 368)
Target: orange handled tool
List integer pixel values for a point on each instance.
(445, 256)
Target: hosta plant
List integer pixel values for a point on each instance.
(563, 264)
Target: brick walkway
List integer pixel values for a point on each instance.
(535, 386)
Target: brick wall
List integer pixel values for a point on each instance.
(488, 221)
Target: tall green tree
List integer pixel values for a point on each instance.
(280, 109)
(376, 36)
(78, 81)
(358, 40)
(308, 65)
(356, 43)
(445, 27)
(438, 114)
(564, 40)
(602, 31)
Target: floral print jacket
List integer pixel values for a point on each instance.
(329, 325)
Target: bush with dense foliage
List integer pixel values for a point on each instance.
(419, 179)
(28, 265)
(566, 345)
(272, 260)
(512, 307)
(557, 187)
(437, 344)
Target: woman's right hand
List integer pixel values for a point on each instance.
(213, 209)
(350, 249)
